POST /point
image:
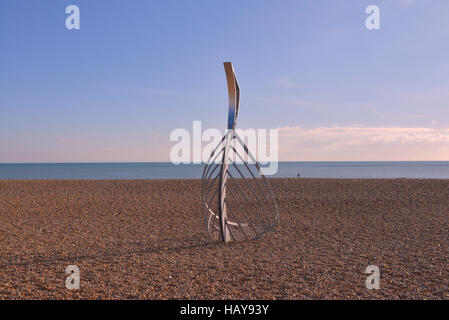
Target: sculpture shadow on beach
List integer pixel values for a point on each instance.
(169, 245)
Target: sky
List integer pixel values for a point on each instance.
(116, 88)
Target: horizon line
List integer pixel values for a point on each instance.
(169, 162)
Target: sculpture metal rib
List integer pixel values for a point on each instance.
(238, 202)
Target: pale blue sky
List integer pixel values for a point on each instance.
(114, 90)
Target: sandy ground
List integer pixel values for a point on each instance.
(147, 240)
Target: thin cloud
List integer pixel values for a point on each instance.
(71, 140)
(398, 115)
(284, 82)
(155, 91)
(406, 2)
(363, 144)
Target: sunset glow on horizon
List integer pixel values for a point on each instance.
(114, 89)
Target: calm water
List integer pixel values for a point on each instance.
(169, 171)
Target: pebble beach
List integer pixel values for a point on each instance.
(146, 239)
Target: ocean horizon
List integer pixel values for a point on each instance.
(167, 170)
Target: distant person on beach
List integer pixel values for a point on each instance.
(299, 176)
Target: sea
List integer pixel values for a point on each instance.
(166, 170)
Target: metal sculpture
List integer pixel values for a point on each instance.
(238, 202)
